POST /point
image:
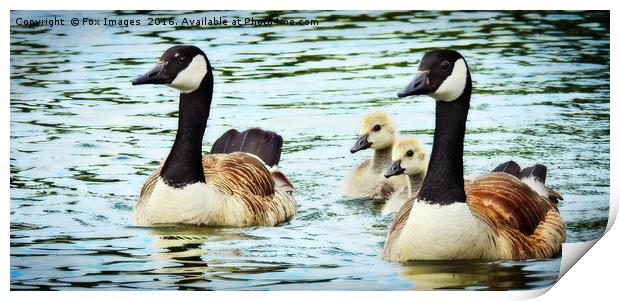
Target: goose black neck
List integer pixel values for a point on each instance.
(444, 183)
(184, 163)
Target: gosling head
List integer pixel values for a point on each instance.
(377, 132)
(181, 67)
(442, 74)
(408, 157)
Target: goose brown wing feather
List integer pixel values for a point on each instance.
(230, 172)
(527, 224)
(282, 181)
(246, 179)
(554, 196)
(238, 172)
(500, 199)
(148, 186)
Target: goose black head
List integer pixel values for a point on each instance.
(181, 67)
(442, 74)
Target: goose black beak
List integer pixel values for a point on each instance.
(155, 76)
(361, 144)
(394, 169)
(418, 86)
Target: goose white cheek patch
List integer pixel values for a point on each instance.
(189, 79)
(453, 86)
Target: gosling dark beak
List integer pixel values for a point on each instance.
(361, 143)
(394, 169)
(418, 86)
(155, 76)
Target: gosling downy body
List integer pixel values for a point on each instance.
(236, 185)
(495, 216)
(367, 181)
(409, 158)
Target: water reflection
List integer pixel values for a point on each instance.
(479, 275)
(181, 253)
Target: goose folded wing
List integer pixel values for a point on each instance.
(503, 201)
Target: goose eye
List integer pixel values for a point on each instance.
(376, 128)
(409, 153)
(445, 65)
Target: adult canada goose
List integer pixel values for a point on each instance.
(367, 181)
(497, 216)
(409, 158)
(233, 186)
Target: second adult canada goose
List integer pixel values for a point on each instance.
(496, 216)
(377, 132)
(236, 185)
(409, 158)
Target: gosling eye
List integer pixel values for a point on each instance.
(376, 128)
(445, 65)
(409, 153)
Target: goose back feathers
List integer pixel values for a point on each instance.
(239, 191)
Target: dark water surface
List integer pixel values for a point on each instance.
(83, 140)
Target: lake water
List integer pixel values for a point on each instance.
(83, 141)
